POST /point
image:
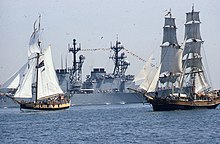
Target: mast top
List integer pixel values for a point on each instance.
(193, 7)
(169, 14)
(38, 19)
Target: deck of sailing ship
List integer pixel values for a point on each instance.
(50, 104)
(180, 82)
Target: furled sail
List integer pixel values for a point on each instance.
(170, 78)
(47, 80)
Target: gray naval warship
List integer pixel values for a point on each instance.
(99, 88)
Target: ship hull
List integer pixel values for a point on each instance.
(170, 107)
(91, 99)
(30, 106)
(166, 105)
(107, 98)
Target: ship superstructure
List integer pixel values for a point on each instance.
(99, 87)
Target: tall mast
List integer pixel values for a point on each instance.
(171, 53)
(76, 71)
(38, 55)
(37, 65)
(119, 60)
(192, 58)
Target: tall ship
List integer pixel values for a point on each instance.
(100, 87)
(35, 86)
(180, 81)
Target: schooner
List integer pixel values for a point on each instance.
(37, 80)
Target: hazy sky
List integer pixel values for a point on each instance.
(95, 23)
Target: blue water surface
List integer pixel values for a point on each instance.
(109, 124)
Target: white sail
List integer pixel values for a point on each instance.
(25, 86)
(40, 74)
(192, 47)
(154, 82)
(169, 21)
(192, 52)
(34, 43)
(169, 33)
(171, 59)
(144, 71)
(149, 78)
(35, 40)
(192, 31)
(13, 82)
(192, 16)
(193, 62)
(47, 79)
(171, 53)
(200, 83)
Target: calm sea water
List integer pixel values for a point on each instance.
(110, 124)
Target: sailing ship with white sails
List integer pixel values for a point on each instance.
(180, 82)
(36, 82)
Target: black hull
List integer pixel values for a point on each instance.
(170, 107)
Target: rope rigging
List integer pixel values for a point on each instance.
(107, 49)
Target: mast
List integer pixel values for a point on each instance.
(36, 83)
(192, 58)
(119, 60)
(171, 53)
(38, 56)
(76, 71)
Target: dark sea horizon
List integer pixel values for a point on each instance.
(110, 124)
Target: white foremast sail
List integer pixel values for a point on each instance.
(171, 53)
(171, 59)
(25, 86)
(40, 65)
